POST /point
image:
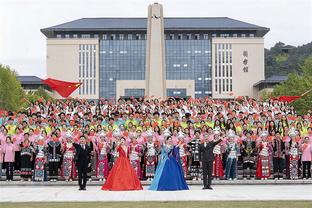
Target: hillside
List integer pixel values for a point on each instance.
(282, 59)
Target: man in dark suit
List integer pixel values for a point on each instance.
(206, 157)
(82, 156)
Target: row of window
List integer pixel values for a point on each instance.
(87, 69)
(88, 87)
(144, 36)
(223, 85)
(223, 68)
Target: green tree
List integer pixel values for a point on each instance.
(11, 91)
(297, 85)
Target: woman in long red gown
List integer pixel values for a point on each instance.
(122, 177)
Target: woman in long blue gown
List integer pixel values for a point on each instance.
(169, 175)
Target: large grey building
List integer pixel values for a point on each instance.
(204, 56)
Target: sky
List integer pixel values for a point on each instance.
(23, 46)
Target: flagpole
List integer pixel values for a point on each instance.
(303, 94)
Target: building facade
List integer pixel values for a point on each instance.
(218, 57)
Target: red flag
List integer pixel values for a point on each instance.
(63, 88)
(288, 99)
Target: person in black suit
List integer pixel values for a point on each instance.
(206, 157)
(82, 156)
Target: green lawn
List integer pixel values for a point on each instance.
(210, 204)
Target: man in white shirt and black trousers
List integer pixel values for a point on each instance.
(206, 157)
(82, 157)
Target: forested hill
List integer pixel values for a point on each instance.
(283, 59)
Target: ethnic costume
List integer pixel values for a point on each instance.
(135, 153)
(217, 170)
(54, 158)
(193, 146)
(294, 160)
(26, 162)
(183, 153)
(40, 173)
(183, 158)
(278, 158)
(231, 161)
(263, 163)
(68, 167)
(150, 160)
(102, 166)
(248, 151)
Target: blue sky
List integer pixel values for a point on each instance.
(23, 46)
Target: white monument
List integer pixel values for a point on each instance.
(155, 53)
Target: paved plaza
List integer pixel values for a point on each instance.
(94, 193)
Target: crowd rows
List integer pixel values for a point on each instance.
(268, 139)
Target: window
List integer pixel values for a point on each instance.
(137, 36)
(196, 36)
(121, 36)
(231, 87)
(230, 70)
(104, 37)
(58, 36)
(234, 35)
(180, 37)
(188, 36)
(129, 36)
(87, 63)
(75, 36)
(94, 86)
(85, 35)
(91, 86)
(206, 37)
(83, 87)
(243, 35)
(224, 35)
(171, 36)
(214, 35)
(79, 88)
(112, 36)
(91, 60)
(87, 87)
(251, 35)
(83, 62)
(66, 35)
(96, 36)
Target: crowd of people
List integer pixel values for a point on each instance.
(269, 140)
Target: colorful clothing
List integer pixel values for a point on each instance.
(122, 177)
(26, 162)
(263, 163)
(135, 153)
(217, 169)
(102, 166)
(150, 160)
(40, 164)
(68, 167)
(169, 175)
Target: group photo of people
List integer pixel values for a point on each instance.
(162, 141)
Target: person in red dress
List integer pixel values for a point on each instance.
(122, 177)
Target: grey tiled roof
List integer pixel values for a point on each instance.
(274, 79)
(170, 23)
(29, 79)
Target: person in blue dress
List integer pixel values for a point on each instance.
(169, 175)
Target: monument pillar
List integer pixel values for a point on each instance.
(155, 76)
